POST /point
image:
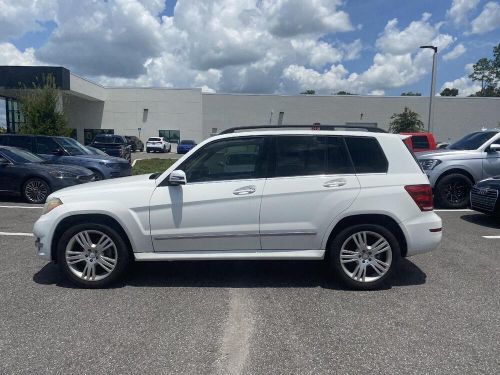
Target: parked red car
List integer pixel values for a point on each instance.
(420, 141)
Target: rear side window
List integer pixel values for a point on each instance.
(310, 155)
(420, 141)
(21, 141)
(367, 155)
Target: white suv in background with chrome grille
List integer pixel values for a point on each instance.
(358, 200)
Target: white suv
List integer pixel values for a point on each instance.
(357, 199)
(158, 144)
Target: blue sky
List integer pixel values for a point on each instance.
(260, 46)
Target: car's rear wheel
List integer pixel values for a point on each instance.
(36, 190)
(92, 255)
(364, 256)
(452, 191)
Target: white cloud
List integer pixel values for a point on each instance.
(464, 85)
(10, 55)
(460, 9)
(488, 20)
(352, 51)
(395, 41)
(456, 52)
(289, 18)
(20, 16)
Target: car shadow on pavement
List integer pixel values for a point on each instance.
(235, 274)
(483, 220)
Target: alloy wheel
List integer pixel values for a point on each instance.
(91, 255)
(36, 191)
(455, 192)
(366, 256)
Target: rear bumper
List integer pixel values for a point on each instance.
(155, 147)
(423, 233)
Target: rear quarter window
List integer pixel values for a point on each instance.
(367, 155)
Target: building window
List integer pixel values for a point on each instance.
(14, 116)
(170, 135)
(90, 134)
(280, 118)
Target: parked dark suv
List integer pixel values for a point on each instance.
(64, 150)
(135, 143)
(113, 145)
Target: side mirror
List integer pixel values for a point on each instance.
(495, 147)
(58, 152)
(177, 177)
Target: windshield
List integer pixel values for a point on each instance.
(472, 141)
(187, 142)
(73, 147)
(21, 156)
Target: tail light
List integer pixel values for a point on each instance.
(422, 196)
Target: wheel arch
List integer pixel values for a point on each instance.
(103, 219)
(455, 171)
(378, 219)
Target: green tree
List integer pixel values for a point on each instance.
(342, 92)
(40, 106)
(407, 121)
(309, 92)
(411, 93)
(449, 92)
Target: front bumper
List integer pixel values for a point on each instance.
(43, 236)
(423, 233)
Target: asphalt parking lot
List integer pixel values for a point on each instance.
(440, 316)
(168, 155)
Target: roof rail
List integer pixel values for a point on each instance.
(311, 127)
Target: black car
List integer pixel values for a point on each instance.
(135, 143)
(26, 174)
(113, 145)
(484, 196)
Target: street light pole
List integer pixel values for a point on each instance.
(433, 84)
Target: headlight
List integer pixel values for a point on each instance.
(59, 174)
(51, 204)
(429, 164)
(112, 165)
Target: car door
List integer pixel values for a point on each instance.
(218, 208)
(312, 182)
(491, 160)
(10, 180)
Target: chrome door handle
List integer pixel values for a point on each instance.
(335, 183)
(245, 190)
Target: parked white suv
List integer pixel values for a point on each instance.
(357, 199)
(158, 144)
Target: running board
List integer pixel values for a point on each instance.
(228, 255)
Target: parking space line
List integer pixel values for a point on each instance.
(16, 234)
(491, 237)
(21, 207)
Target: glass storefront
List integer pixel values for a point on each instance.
(170, 135)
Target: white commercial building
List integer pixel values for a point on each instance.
(193, 114)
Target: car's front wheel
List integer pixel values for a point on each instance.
(92, 255)
(36, 190)
(452, 191)
(364, 256)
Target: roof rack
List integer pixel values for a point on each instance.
(311, 127)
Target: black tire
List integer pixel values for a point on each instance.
(164, 149)
(98, 175)
(36, 190)
(122, 260)
(452, 191)
(170, 148)
(148, 151)
(390, 257)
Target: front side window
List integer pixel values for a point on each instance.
(311, 155)
(473, 141)
(46, 145)
(73, 147)
(367, 155)
(232, 159)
